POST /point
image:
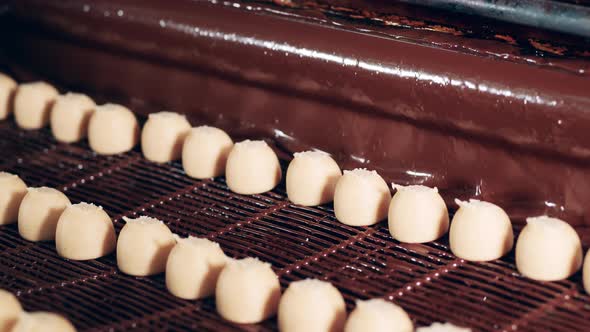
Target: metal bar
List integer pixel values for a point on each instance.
(545, 14)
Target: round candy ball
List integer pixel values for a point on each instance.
(143, 246)
(43, 321)
(10, 310)
(361, 198)
(378, 315)
(112, 129)
(39, 212)
(248, 291)
(7, 90)
(32, 104)
(163, 135)
(311, 305)
(84, 231)
(205, 152)
(311, 178)
(70, 116)
(12, 193)
(417, 214)
(480, 231)
(548, 249)
(252, 168)
(193, 267)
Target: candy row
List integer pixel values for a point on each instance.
(246, 291)
(479, 231)
(14, 319)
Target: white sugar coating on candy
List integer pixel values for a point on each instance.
(39, 213)
(417, 214)
(84, 231)
(163, 135)
(10, 310)
(7, 176)
(443, 327)
(248, 144)
(205, 152)
(32, 104)
(311, 305)
(361, 198)
(586, 272)
(7, 90)
(13, 191)
(480, 231)
(43, 190)
(414, 188)
(197, 242)
(248, 291)
(70, 117)
(249, 263)
(86, 207)
(311, 178)
(252, 168)
(206, 129)
(193, 266)
(362, 173)
(167, 115)
(547, 223)
(312, 154)
(143, 220)
(548, 249)
(112, 129)
(476, 204)
(378, 315)
(43, 321)
(143, 246)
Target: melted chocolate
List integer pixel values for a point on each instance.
(510, 131)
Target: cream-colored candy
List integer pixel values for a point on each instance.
(378, 315)
(443, 327)
(205, 152)
(10, 310)
(70, 117)
(39, 212)
(7, 90)
(361, 198)
(11, 195)
(548, 249)
(193, 267)
(311, 305)
(163, 135)
(248, 291)
(586, 272)
(32, 104)
(311, 178)
(480, 231)
(417, 214)
(42, 321)
(143, 246)
(84, 231)
(112, 129)
(252, 168)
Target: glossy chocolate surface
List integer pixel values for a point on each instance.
(475, 117)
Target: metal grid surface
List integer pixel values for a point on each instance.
(363, 262)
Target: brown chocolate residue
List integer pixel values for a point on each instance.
(556, 51)
(548, 47)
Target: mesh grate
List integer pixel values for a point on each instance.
(363, 262)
